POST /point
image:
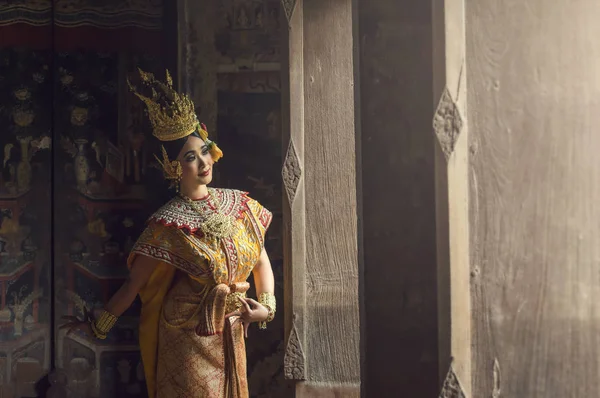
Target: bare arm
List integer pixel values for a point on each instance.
(140, 273)
(263, 274)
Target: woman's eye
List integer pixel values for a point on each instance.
(190, 158)
(205, 151)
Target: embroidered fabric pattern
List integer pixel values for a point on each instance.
(166, 244)
(211, 363)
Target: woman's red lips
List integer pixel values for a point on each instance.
(206, 173)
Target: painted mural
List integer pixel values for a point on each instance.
(73, 194)
(25, 280)
(102, 171)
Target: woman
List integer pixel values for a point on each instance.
(190, 266)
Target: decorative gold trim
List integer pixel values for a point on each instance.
(171, 169)
(103, 325)
(179, 213)
(217, 224)
(268, 300)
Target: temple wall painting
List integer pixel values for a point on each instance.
(78, 175)
(73, 192)
(101, 184)
(25, 212)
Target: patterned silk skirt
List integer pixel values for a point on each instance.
(192, 365)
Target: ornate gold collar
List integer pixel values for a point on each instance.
(181, 214)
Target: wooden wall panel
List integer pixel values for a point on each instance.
(533, 92)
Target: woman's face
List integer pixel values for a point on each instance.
(196, 163)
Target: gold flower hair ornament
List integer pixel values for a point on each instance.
(213, 149)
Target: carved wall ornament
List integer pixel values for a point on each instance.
(291, 173)
(447, 123)
(452, 387)
(288, 7)
(294, 359)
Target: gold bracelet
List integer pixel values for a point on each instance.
(267, 299)
(97, 334)
(103, 324)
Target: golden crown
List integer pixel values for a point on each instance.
(171, 114)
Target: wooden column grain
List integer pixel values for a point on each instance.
(452, 196)
(321, 246)
(533, 96)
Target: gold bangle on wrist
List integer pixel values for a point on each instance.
(103, 324)
(267, 299)
(97, 334)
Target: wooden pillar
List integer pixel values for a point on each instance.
(452, 196)
(319, 173)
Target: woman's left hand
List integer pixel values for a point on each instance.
(73, 323)
(251, 311)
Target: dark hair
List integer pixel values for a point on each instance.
(174, 147)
